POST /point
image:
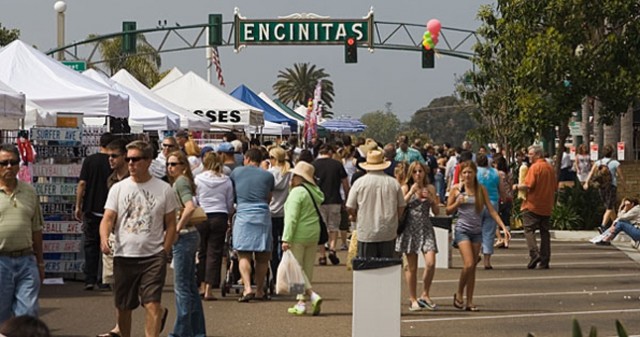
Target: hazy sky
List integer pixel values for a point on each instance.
(377, 78)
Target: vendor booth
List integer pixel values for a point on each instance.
(56, 87)
(206, 100)
(245, 94)
(187, 119)
(143, 112)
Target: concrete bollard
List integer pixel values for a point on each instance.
(442, 228)
(376, 299)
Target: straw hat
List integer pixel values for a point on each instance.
(369, 144)
(306, 171)
(375, 161)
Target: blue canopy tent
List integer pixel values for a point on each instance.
(245, 94)
(343, 125)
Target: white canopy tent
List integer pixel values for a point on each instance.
(171, 76)
(204, 99)
(187, 119)
(12, 103)
(143, 112)
(56, 87)
(271, 129)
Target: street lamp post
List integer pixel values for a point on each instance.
(60, 6)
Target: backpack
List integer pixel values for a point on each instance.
(601, 177)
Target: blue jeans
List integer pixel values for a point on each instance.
(440, 186)
(629, 229)
(19, 287)
(189, 315)
(488, 230)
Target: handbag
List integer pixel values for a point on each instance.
(324, 235)
(198, 216)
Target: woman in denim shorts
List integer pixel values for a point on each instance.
(469, 199)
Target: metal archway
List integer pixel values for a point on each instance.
(455, 42)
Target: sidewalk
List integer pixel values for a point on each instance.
(595, 284)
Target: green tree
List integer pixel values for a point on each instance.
(296, 85)
(444, 120)
(144, 65)
(538, 59)
(8, 35)
(381, 126)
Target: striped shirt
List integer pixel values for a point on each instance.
(20, 217)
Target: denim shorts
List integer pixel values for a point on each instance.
(464, 236)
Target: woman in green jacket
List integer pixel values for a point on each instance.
(302, 230)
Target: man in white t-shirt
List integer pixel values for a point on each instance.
(143, 210)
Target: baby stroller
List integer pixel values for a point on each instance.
(232, 280)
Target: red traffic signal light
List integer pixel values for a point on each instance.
(350, 50)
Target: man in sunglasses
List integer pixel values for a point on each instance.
(159, 165)
(91, 195)
(141, 212)
(21, 261)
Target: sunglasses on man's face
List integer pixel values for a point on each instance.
(133, 159)
(168, 145)
(5, 163)
(114, 155)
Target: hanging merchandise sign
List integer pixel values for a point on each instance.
(62, 227)
(61, 151)
(56, 208)
(55, 189)
(302, 29)
(58, 170)
(61, 246)
(594, 152)
(620, 151)
(68, 134)
(63, 266)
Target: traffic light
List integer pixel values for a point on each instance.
(428, 59)
(215, 29)
(129, 39)
(350, 50)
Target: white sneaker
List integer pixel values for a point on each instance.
(316, 304)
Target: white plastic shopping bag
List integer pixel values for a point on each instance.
(290, 276)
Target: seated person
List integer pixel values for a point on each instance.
(628, 219)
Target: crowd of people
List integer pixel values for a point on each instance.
(138, 210)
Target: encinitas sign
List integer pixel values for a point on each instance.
(302, 29)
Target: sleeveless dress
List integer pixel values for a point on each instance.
(419, 235)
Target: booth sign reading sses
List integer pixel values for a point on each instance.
(302, 29)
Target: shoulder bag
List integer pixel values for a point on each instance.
(324, 235)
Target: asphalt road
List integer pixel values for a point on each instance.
(594, 284)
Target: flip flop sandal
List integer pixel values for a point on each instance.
(472, 308)
(456, 303)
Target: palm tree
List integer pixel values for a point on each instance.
(144, 65)
(296, 86)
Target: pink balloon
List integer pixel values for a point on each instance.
(434, 26)
(435, 40)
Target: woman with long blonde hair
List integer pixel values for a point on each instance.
(418, 235)
(469, 199)
(280, 169)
